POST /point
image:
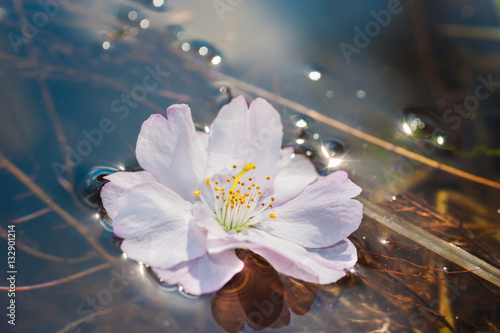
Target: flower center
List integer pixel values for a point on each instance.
(237, 203)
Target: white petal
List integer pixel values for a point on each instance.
(205, 219)
(119, 183)
(157, 226)
(293, 176)
(252, 136)
(203, 275)
(173, 151)
(203, 137)
(317, 266)
(321, 215)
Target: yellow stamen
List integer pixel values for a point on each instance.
(250, 179)
(208, 181)
(272, 216)
(246, 168)
(268, 177)
(235, 166)
(197, 193)
(272, 199)
(270, 205)
(216, 183)
(228, 180)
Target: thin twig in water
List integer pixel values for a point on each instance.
(83, 230)
(59, 281)
(357, 133)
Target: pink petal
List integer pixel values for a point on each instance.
(320, 266)
(156, 226)
(252, 136)
(205, 219)
(322, 215)
(293, 176)
(119, 183)
(173, 151)
(203, 137)
(203, 275)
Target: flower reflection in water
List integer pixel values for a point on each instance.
(260, 297)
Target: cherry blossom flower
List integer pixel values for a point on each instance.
(201, 196)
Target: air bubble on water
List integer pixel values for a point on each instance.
(104, 223)
(314, 73)
(302, 137)
(90, 186)
(443, 139)
(307, 151)
(299, 121)
(333, 147)
(418, 123)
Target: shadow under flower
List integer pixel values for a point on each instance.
(260, 297)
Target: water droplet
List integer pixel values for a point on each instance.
(360, 94)
(308, 151)
(223, 93)
(299, 121)
(203, 52)
(302, 136)
(330, 94)
(202, 128)
(314, 73)
(444, 139)
(418, 123)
